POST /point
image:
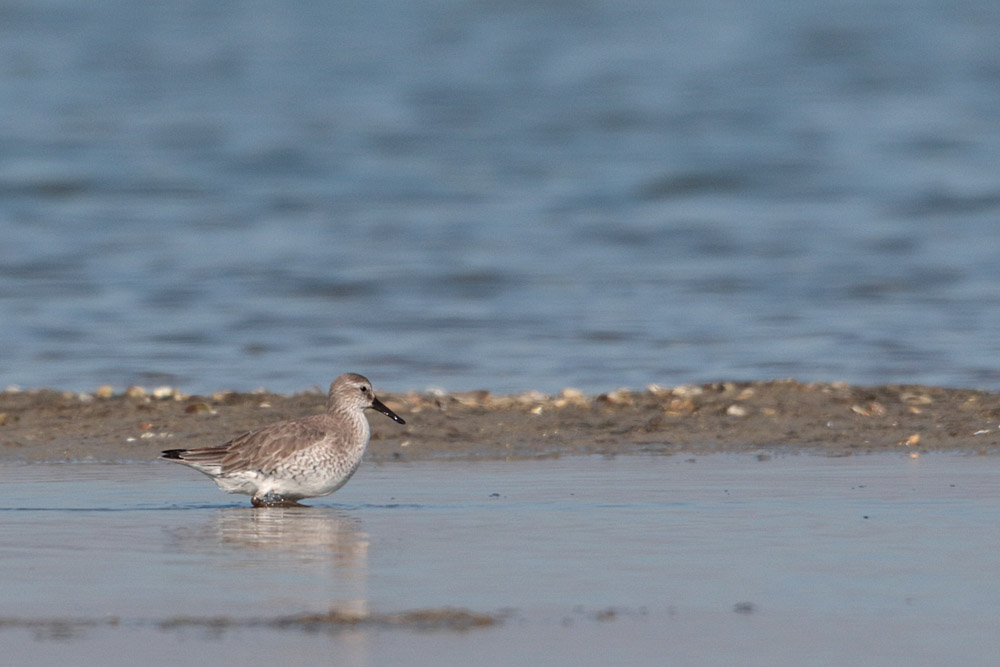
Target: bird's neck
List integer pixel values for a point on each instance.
(355, 419)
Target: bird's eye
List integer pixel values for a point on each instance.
(364, 390)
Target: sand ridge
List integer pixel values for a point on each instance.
(823, 418)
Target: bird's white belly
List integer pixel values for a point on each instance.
(293, 482)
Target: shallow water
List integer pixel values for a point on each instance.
(504, 195)
(711, 560)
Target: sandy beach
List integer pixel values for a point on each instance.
(476, 529)
(827, 419)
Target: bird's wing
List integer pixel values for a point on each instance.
(264, 448)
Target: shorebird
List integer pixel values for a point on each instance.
(282, 463)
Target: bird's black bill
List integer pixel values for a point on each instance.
(380, 406)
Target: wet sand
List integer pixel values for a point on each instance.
(747, 417)
(713, 560)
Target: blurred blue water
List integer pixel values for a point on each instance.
(507, 195)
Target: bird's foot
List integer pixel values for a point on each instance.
(272, 499)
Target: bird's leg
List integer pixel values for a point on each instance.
(272, 499)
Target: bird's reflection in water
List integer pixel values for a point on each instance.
(321, 552)
(302, 534)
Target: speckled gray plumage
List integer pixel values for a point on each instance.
(300, 458)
